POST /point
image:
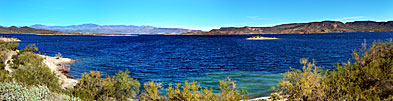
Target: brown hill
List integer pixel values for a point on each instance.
(312, 27)
(27, 30)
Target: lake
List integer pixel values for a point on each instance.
(255, 65)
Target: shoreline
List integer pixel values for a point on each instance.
(184, 34)
(58, 65)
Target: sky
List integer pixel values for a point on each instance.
(191, 14)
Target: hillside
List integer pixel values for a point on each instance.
(27, 30)
(312, 27)
(113, 29)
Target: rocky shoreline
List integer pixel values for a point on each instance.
(56, 64)
(59, 66)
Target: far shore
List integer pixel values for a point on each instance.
(169, 34)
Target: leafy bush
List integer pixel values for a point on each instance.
(15, 92)
(32, 72)
(26, 59)
(151, 91)
(229, 91)
(88, 86)
(125, 86)
(4, 76)
(29, 48)
(41, 92)
(9, 45)
(92, 87)
(190, 91)
(63, 97)
(370, 77)
(6, 47)
(193, 92)
(305, 84)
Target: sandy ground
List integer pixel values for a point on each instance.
(10, 39)
(55, 64)
(9, 55)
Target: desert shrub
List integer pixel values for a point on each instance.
(4, 76)
(29, 48)
(9, 45)
(88, 86)
(63, 97)
(15, 92)
(193, 92)
(125, 86)
(229, 92)
(92, 87)
(5, 48)
(305, 84)
(26, 59)
(41, 92)
(370, 77)
(3, 58)
(190, 92)
(152, 92)
(32, 72)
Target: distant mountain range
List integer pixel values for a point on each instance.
(299, 28)
(113, 29)
(312, 27)
(27, 30)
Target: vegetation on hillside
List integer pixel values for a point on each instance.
(28, 30)
(370, 77)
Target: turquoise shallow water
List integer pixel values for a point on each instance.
(256, 65)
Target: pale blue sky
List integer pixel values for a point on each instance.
(194, 14)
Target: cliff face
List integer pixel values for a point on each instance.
(312, 27)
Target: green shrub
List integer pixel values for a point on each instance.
(9, 45)
(190, 91)
(370, 77)
(125, 86)
(29, 48)
(229, 91)
(305, 84)
(92, 87)
(32, 72)
(63, 97)
(15, 92)
(27, 59)
(193, 92)
(4, 76)
(88, 86)
(151, 91)
(41, 92)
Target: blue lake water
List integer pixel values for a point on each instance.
(256, 65)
